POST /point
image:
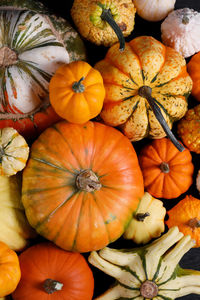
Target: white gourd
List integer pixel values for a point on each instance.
(154, 10)
(181, 31)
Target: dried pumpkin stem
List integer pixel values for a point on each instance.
(141, 216)
(87, 181)
(185, 20)
(78, 87)
(107, 16)
(194, 223)
(164, 167)
(145, 92)
(50, 286)
(8, 57)
(148, 289)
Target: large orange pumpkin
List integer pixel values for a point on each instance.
(167, 172)
(49, 272)
(81, 185)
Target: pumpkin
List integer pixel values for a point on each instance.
(15, 229)
(14, 151)
(77, 92)
(167, 172)
(34, 44)
(104, 22)
(180, 30)
(9, 270)
(81, 185)
(146, 83)
(193, 70)
(198, 181)
(189, 129)
(186, 215)
(149, 272)
(68, 276)
(147, 221)
(153, 10)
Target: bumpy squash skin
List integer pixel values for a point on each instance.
(144, 62)
(73, 218)
(32, 124)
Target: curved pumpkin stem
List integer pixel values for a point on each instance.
(50, 286)
(140, 216)
(107, 16)
(145, 92)
(78, 87)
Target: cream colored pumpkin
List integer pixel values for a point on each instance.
(154, 10)
(14, 151)
(148, 221)
(15, 230)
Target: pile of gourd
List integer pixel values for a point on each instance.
(70, 182)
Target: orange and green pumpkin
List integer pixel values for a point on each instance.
(81, 185)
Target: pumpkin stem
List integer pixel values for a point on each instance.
(78, 87)
(194, 223)
(164, 167)
(148, 289)
(87, 181)
(145, 92)
(50, 286)
(8, 57)
(141, 216)
(107, 16)
(185, 20)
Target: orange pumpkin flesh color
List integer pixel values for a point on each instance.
(9, 270)
(76, 92)
(186, 215)
(49, 272)
(81, 185)
(193, 70)
(167, 172)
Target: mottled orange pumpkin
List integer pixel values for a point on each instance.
(189, 129)
(186, 215)
(76, 92)
(81, 185)
(167, 172)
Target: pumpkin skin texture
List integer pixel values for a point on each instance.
(186, 215)
(77, 92)
(193, 70)
(36, 43)
(148, 220)
(14, 151)
(167, 172)
(144, 62)
(189, 129)
(67, 268)
(81, 185)
(9, 270)
(15, 229)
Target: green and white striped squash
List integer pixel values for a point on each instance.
(149, 272)
(33, 44)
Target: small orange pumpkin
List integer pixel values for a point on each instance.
(186, 215)
(167, 172)
(193, 70)
(77, 92)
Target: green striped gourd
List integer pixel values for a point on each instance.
(149, 272)
(33, 44)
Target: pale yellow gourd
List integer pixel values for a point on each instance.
(154, 10)
(148, 221)
(15, 229)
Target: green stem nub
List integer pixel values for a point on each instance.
(107, 16)
(78, 87)
(145, 92)
(50, 286)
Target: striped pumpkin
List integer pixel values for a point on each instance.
(32, 47)
(81, 185)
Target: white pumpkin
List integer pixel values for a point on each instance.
(181, 31)
(154, 10)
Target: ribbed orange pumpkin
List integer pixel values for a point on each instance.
(81, 185)
(193, 70)
(167, 172)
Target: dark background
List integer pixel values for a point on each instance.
(191, 260)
